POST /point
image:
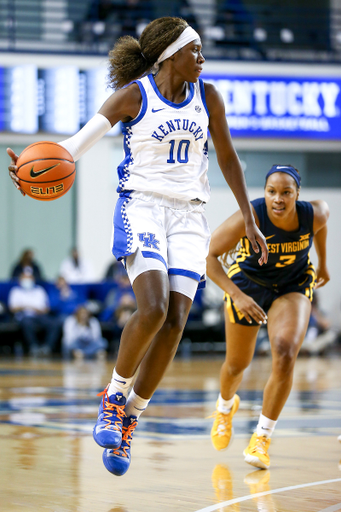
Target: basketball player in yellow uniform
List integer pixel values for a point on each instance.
(278, 293)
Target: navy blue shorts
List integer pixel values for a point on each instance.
(265, 296)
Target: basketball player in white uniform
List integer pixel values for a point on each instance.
(160, 230)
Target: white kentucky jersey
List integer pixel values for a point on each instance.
(166, 145)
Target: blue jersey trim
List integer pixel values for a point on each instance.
(155, 255)
(203, 96)
(123, 236)
(170, 103)
(143, 106)
(123, 167)
(186, 273)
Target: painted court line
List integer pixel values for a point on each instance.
(333, 508)
(275, 491)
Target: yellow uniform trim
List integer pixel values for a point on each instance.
(310, 290)
(229, 308)
(233, 270)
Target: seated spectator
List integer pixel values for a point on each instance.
(75, 269)
(29, 303)
(318, 338)
(82, 336)
(111, 19)
(238, 24)
(319, 335)
(237, 21)
(125, 308)
(133, 16)
(64, 300)
(27, 264)
(184, 9)
(113, 298)
(112, 270)
(3, 313)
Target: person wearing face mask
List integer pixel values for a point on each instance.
(29, 303)
(75, 269)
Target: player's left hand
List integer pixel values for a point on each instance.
(322, 277)
(256, 238)
(12, 169)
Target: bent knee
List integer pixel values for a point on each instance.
(153, 314)
(285, 354)
(174, 326)
(235, 368)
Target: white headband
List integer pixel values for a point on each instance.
(187, 36)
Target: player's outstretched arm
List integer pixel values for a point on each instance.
(231, 168)
(122, 105)
(223, 240)
(321, 215)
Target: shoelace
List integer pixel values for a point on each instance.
(127, 436)
(223, 420)
(260, 446)
(109, 409)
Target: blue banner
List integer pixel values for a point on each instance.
(281, 107)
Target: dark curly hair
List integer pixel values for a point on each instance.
(131, 58)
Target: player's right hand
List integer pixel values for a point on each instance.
(249, 308)
(12, 169)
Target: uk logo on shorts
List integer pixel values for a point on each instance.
(148, 240)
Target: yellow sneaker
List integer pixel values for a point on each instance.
(222, 431)
(256, 453)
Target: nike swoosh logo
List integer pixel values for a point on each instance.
(121, 381)
(281, 167)
(268, 237)
(157, 109)
(43, 171)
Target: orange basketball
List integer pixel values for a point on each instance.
(46, 170)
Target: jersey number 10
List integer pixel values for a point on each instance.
(181, 153)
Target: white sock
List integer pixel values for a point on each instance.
(136, 405)
(225, 406)
(119, 384)
(265, 426)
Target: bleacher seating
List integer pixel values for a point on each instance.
(10, 333)
(230, 29)
(94, 295)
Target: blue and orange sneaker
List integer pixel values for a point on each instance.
(118, 461)
(108, 429)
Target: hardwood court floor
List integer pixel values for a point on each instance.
(49, 461)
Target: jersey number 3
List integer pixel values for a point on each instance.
(286, 260)
(181, 153)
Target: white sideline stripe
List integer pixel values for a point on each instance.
(333, 508)
(275, 491)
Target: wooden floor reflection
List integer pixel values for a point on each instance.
(49, 461)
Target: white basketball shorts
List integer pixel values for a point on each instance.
(170, 234)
